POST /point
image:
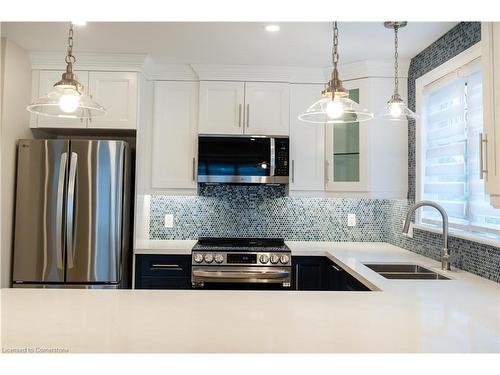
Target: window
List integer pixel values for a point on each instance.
(452, 119)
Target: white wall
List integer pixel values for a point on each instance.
(15, 94)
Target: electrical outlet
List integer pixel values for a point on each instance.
(351, 220)
(169, 221)
(410, 230)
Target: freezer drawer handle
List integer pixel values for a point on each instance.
(70, 209)
(59, 208)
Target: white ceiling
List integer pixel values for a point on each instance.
(240, 43)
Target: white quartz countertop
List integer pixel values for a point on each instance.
(457, 315)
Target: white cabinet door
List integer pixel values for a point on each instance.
(174, 137)
(117, 93)
(46, 80)
(267, 108)
(490, 38)
(307, 141)
(221, 107)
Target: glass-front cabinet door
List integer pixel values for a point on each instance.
(346, 148)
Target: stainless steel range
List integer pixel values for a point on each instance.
(241, 263)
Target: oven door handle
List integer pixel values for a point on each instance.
(241, 274)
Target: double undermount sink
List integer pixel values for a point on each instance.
(405, 271)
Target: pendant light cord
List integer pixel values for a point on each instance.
(69, 57)
(396, 79)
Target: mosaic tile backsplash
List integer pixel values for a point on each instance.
(266, 211)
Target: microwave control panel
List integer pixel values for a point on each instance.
(282, 154)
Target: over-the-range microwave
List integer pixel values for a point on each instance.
(243, 159)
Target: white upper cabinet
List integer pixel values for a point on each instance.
(257, 108)
(267, 108)
(221, 107)
(490, 39)
(117, 93)
(174, 135)
(307, 141)
(43, 82)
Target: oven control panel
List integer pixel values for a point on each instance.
(239, 259)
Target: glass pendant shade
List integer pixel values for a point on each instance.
(66, 101)
(396, 110)
(340, 110)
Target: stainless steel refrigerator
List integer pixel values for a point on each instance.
(72, 214)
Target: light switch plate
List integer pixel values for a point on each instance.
(169, 221)
(351, 220)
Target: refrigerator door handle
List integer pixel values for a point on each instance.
(70, 209)
(59, 209)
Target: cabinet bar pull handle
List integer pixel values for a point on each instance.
(293, 170)
(161, 265)
(327, 166)
(248, 115)
(239, 116)
(297, 277)
(483, 167)
(335, 268)
(194, 163)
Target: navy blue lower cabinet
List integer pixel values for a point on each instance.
(162, 271)
(308, 273)
(340, 279)
(320, 273)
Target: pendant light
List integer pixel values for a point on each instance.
(67, 99)
(396, 109)
(335, 107)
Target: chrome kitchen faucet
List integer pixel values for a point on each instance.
(445, 254)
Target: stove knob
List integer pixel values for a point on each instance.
(209, 258)
(284, 259)
(219, 258)
(264, 258)
(198, 258)
(275, 259)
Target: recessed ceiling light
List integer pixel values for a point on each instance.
(79, 23)
(272, 28)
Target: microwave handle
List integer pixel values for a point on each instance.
(273, 157)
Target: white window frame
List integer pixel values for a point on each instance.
(449, 68)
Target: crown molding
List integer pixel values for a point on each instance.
(90, 61)
(372, 69)
(168, 72)
(153, 70)
(258, 73)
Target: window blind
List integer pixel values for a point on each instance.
(452, 118)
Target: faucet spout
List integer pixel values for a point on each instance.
(445, 255)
